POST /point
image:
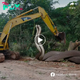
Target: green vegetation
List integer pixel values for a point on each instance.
(3, 77)
(22, 36)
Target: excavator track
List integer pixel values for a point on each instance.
(11, 55)
(2, 57)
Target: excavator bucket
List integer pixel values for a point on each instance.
(62, 37)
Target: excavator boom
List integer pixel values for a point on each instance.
(24, 18)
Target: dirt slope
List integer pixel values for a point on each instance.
(38, 70)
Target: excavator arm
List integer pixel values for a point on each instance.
(24, 18)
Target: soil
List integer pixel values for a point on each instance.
(31, 69)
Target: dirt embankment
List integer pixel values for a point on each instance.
(38, 70)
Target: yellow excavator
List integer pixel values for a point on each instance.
(4, 35)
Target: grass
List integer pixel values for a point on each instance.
(3, 77)
(26, 61)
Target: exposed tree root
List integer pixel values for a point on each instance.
(73, 45)
(2, 57)
(12, 55)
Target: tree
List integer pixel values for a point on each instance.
(3, 20)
